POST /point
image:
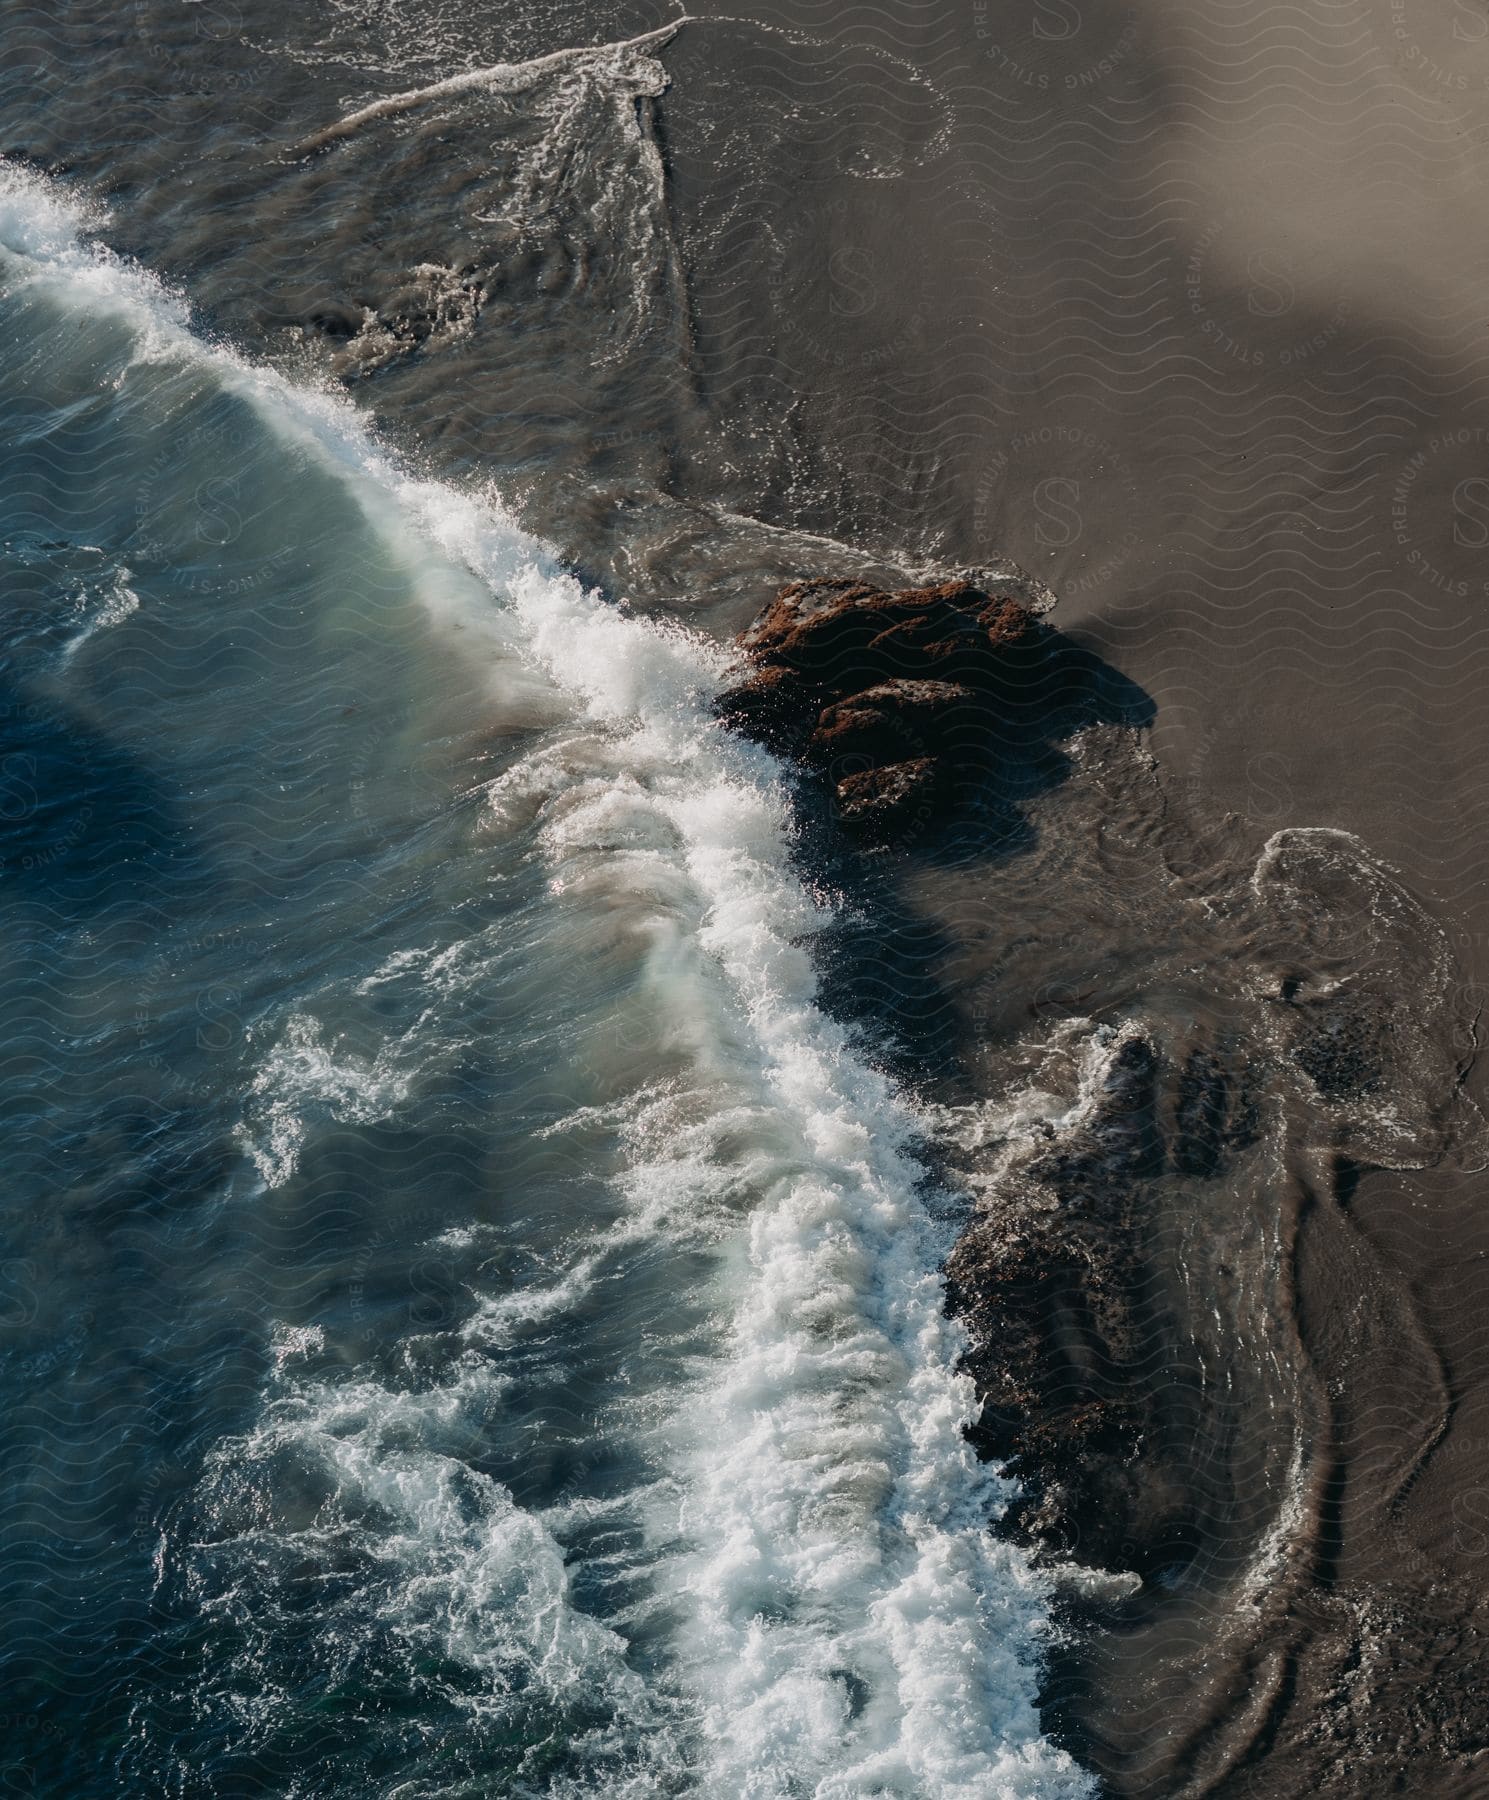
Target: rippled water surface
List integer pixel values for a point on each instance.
(482, 1329)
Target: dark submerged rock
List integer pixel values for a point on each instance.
(1074, 1351)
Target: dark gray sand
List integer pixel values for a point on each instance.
(1183, 308)
(1185, 312)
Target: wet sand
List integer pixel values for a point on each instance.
(1182, 308)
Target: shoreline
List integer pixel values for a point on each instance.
(1190, 330)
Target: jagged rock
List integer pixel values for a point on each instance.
(843, 636)
(886, 796)
(901, 683)
(883, 720)
(767, 708)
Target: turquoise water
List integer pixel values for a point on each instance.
(471, 1320)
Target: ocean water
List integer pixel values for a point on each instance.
(473, 1317)
(472, 1320)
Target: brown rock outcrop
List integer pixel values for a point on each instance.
(889, 696)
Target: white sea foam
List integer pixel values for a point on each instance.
(499, 78)
(1059, 1094)
(848, 1626)
(302, 1074)
(352, 1477)
(98, 611)
(291, 1341)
